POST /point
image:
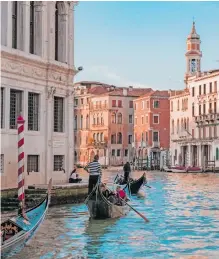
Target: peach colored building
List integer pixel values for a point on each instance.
(110, 123)
(151, 125)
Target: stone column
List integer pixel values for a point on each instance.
(71, 34)
(63, 38)
(49, 133)
(51, 29)
(6, 21)
(40, 26)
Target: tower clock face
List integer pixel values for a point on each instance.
(193, 65)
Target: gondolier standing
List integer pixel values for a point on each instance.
(127, 171)
(94, 169)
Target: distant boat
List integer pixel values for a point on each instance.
(194, 169)
(17, 231)
(100, 207)
(183, 169)
(178, 169)
(133, 186)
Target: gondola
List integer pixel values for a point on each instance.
(17, 231)
(133, 186)
(100, 207)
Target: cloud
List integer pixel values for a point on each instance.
(104, 74)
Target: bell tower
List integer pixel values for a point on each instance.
(193, 53)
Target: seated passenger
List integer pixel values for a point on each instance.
(108, 194)
(74, 178)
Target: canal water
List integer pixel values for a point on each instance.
(183, 210)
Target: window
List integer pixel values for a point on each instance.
(118, 152)
(82, 101)
(178, 126)
(156, 119)
(33, 163)
(113, 118)
(130, 119)
(113, 103)
(56, 31)
(171, 106)
(119, 119)
(200, 109)
(204, 108)
(142, 119)
(130, 104)
(32, 27)
(14, 24)
(217, 153)
(101, 137)
(58, 163)
(130, 139)
(178, 105)
(119, 103)
(58, 114)
(156, 104)
(119, 138)
(2, 107)
(200, 89)
(113, 152)
(101, 120)
(98, 137)
(82, 120)
(94, 137)
(146, 118)
(2, 164)
(204, 90)
(142, 105)
(193, 91)
(210, 87)
(146, 136)
(94, 120)
(148, 105)
(193, 109)
(76, 123)
(15, 107)
(155, 136)
(215, 105)
(126, 152)
(215, 86)
(75, 102)
(33, 111)
(113, 139)
(87, 122)
(210, 107)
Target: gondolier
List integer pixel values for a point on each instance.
(94, 169)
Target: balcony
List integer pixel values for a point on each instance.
(100, 125)
(98, 107)
(156, 144)
(98, 144)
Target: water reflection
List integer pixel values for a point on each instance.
(184, 223)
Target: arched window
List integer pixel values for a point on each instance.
(94, 120)
(101, 120)
(119, 138)
(204, 108)
(76, 156)
(32, 27)
(172, 126)
(113, 119)
(119, 119)
(98, 137)
(101, 137)
(217, 153)
(87, 122)
(98, 119)
(76, 122)
(193, 109)
(56, 31)
(215, 105)
(14, 24)
(94, 137)
(113, 139)
(81, 121)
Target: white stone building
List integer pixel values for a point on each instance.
(37, 72)
(194, 116)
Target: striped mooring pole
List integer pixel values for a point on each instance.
(20, 123)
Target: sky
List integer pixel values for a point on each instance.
(142, 44)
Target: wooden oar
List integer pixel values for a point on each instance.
(146, 220)
(148, 186)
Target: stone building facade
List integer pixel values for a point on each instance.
(194, 116)
(37, 76)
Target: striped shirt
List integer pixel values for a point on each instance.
(94, 168)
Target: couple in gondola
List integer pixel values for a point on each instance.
(126, 177)
(117, 198)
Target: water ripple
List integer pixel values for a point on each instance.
(184, 224)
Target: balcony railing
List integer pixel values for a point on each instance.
(98, 107)
(98, 144)
(98, 125)
(156, 144)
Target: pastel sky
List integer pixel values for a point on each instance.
(142, 43)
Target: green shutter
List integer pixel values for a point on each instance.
(217, 153)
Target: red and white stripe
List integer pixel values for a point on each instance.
(20, 123)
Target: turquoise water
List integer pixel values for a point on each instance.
(183, 210)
